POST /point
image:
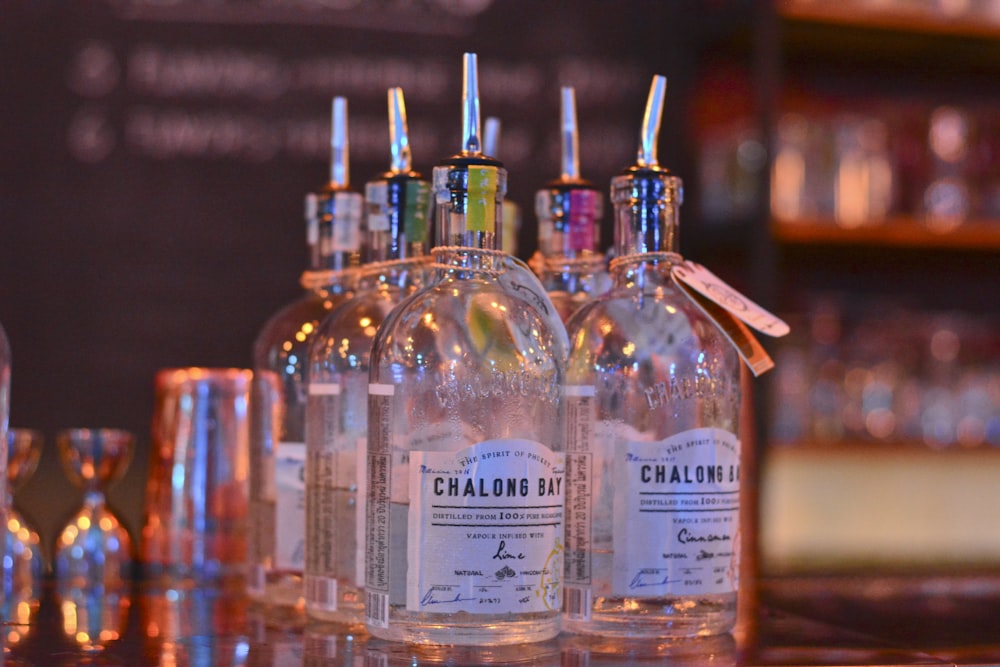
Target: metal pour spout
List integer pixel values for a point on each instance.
(339, 145)
(471, 141)
(399, 138)
(570, 137)
(650, 132)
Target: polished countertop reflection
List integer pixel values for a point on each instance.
(815, 620)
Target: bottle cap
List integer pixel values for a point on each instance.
(333, 212)
(569, 205)
(398, 201)
(646, 181)
(470, 183)
(647, 196)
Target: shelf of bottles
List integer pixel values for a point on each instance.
(916, 169)
(878, 374)
(922, 176)
(932, 17)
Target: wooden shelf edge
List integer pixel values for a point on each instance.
(867, 448)
(911, 19)
(901, 232)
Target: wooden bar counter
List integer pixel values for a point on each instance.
(948, 619)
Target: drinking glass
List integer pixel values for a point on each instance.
(94, 549)
(24, 563)
(195, 526)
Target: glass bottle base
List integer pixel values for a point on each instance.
(280, 589)
(657, 618)
(469, 629)
(394, 654)
(591, 650)
(352, 616)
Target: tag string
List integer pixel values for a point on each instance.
(485, 252)
(663, 256)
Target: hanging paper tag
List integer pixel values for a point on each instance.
(729, 310)
(712, 287)
(746, 344)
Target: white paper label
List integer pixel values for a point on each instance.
(322, 497)
(579, 400)
(485, 529)
(312, 219)
(715, 289)
(377, 196)
(676, 515)
(346, 232)
(290, 485)
(360, 509)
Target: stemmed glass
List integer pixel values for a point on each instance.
(23, 563)
(94, 549)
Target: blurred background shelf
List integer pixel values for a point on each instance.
(897, 231)
(877, 230)
(862, 506)
(969, 19)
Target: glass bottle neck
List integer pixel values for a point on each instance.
(469, 196)
(398, 212)
(568, 215)
(325, 282)
(647, 210)
(646, 270)
(393, 273)
(333, 223)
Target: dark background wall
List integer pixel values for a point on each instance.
(154, 157)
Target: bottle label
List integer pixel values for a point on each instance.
(290, 524)
(320, 591)
(579, 401)
(582, 205)
(579, 490)
(346, 233)
(379, 511)
(417, 211)
(481, 206)
(335, 496)
(485, 529)
(676, 515)
(377, 197)
(320, 582)
(360, 460)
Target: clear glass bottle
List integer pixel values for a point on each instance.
(652, 403)
(278, 394)
(569, 210)
(4, 425)
(465, 464)
(396, 257)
